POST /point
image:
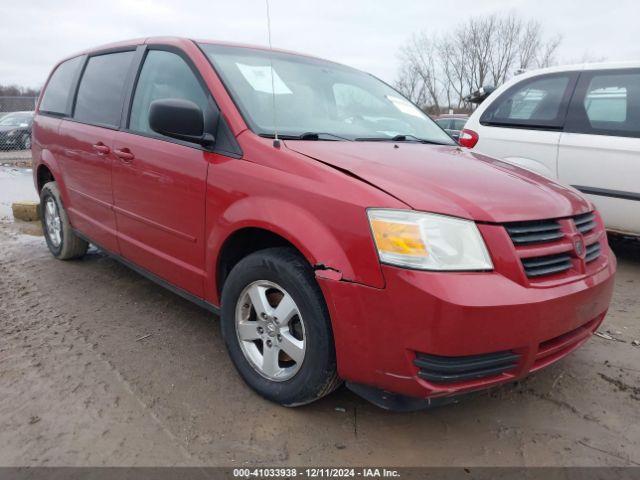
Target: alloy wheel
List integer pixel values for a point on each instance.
(52, 222)
(270, 330)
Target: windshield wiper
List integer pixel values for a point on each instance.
(308, 136)
(400, 138)
(317, 135)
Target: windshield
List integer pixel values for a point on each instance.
(317, 96)
(15, 120)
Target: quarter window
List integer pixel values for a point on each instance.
(56, 96)
(538, 102)
(164, 75)
(102, 88)
(612, 104)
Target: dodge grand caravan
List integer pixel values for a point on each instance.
(341, 235)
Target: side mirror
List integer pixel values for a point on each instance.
(179, 119)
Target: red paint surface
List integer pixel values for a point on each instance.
(170, 209)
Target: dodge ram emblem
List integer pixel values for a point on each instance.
(578, 245)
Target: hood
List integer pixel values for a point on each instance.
(449, 180)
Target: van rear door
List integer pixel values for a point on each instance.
(600, 148)
(87, 139)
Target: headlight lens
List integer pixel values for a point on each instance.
(428, 241)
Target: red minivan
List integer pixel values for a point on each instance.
(339, 232)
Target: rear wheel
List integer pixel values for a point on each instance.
(63, 243)
(277, 328)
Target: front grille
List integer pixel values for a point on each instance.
(439, 369)
(585, 222)
(537, 231)
(547, 265)
(545, 247)
(592, 252)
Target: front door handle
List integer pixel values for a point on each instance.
(124, 154)
(101, 148)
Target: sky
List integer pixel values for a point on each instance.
(366, 34)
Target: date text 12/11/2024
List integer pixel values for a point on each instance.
(315, 473)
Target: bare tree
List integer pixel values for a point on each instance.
(456, 68)
(481, 51)
(420, 57)
(410, 84)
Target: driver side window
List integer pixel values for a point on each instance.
(164, 75)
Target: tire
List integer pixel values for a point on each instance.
(26, 141)
(300, 382)
(63, 243)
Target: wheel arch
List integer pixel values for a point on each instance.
(252, 224)
(47, 171)
(242, 242)
(43, 175)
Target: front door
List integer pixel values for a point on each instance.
(523, 125)
(159, 183)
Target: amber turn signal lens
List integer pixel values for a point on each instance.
(399, 238)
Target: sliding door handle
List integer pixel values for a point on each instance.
(124, 154)
(101, 148)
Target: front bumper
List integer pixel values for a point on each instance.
(379, 333)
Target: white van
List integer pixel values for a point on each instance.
(579, 124)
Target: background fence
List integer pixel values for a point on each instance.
(15, 126)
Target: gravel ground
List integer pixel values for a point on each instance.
(99, 366)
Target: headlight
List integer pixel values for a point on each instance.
(428, 241)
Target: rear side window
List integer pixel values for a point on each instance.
(444, 122)
(164, 75)
(538, 102)
(58, 92)
(607, 103)
(458, 124)
(102, 88)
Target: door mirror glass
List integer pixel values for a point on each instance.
(179, 119)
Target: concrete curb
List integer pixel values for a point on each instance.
(26, 211)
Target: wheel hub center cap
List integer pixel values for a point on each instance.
(271, 329)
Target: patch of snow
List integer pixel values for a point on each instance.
(16, 184)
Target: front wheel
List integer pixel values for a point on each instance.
(277, 329)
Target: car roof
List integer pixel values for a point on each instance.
(581, 67)
(177, 40)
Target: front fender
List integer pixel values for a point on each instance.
(354, 257)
